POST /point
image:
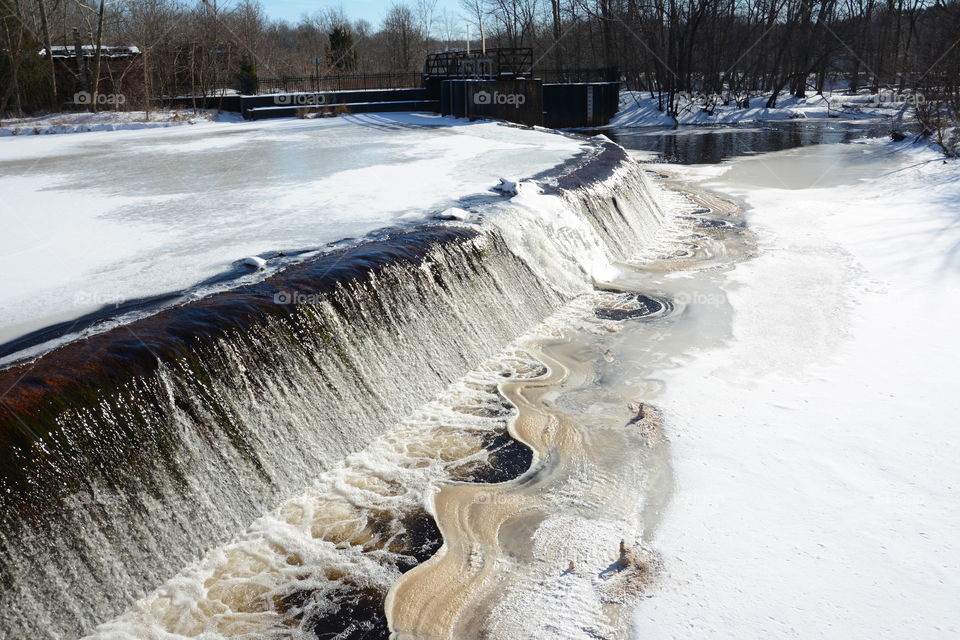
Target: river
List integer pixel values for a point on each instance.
(513, 462)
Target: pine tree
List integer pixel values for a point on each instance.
(340, 53)
(247, 76)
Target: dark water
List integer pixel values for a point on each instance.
(711, 144)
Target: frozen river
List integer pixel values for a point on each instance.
(98, 219)
(812, 423)
(685, 407)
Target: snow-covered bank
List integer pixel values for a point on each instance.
(84, 122)
(641, 109)
(815, 453)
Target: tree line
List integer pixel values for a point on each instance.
(729, 50)
(205, 46)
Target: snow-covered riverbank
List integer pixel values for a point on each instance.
(86, 122)
(816, 452)
(644, 109)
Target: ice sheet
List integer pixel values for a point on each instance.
(815, 454)
(98, 218)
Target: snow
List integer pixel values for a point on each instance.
(84, 122)
(641, 109)
(255, 261)
(68, 50)
(454, 213)
(100, 218)
(815, 453)
(507, 187)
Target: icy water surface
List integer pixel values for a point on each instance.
(710, 145)
(822, 166)
(519, 503)
(97, 220)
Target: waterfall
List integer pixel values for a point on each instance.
(130, 454)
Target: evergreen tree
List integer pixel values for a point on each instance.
(247, 76)
(341, 54)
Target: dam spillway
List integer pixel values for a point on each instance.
(132, 452)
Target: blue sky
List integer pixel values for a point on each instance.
(371, 10)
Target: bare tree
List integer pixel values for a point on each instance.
(404, 37)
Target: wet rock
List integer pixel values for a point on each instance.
(649, 420)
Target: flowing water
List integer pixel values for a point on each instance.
(713, 144)
(563, 551)
(455, 437)
(165, 439)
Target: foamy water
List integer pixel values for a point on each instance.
(564, 551)
(559, 549)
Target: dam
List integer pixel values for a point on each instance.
(496, 83)
(239, 452)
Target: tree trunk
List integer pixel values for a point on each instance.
(606, 33)
(96, 57)
(146, 86)
(14, 42)
(81, 63)
(557, 34)
(45, 32)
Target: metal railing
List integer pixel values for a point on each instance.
(344, 82)
(556, 76)
(498, 62)
(460, 67)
